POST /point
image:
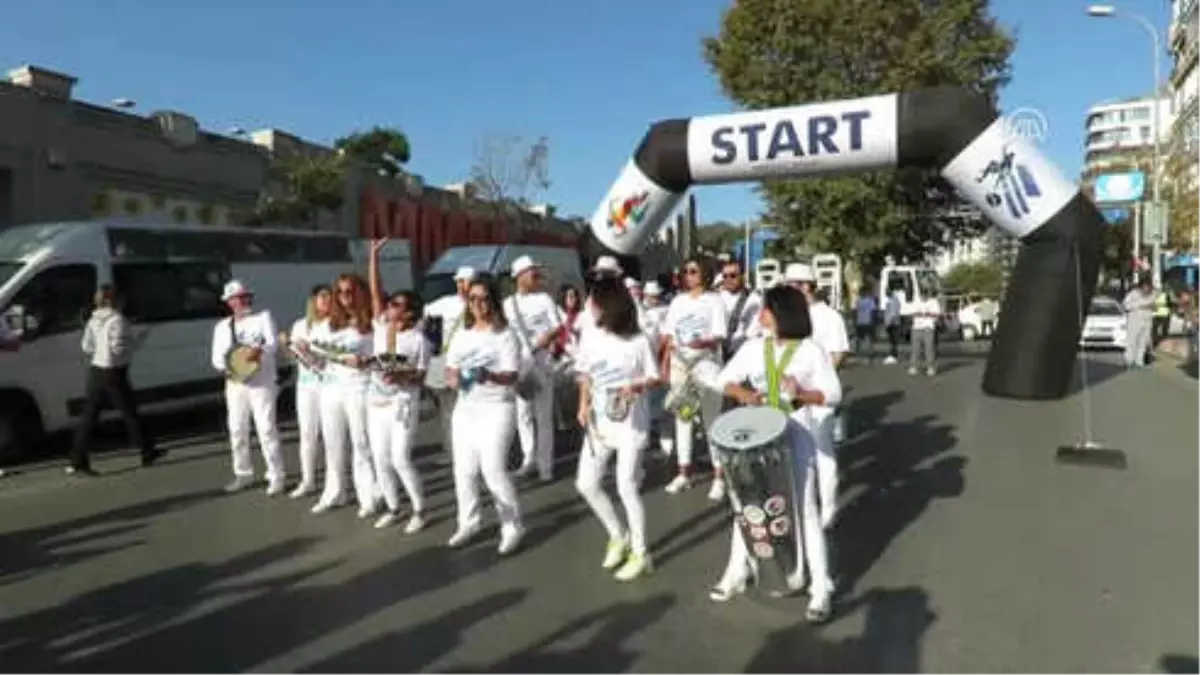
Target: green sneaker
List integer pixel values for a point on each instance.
(637, 565)
(615, 553)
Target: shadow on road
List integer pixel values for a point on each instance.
(603, 653)
(1178, 663)
(896, 621)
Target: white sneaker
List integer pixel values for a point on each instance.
(678, 484)
(239, 483)
(725, 591)
(615, 553)
(820, 607)
(510, 539)
(462, 537)
(369, 511)
(415, 524)
(327, 505)
(931, 371)
(386, 520)
(716, 493)
(302, 490)
(637, 565)
(889, 361)
(912, 371)
(276, 488)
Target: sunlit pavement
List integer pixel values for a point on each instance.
(962, 545)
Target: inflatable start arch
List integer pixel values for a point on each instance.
(954, 131)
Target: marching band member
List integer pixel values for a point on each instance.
(482, 365)
(742, 306)
(395, 398)
(451, 310)
(693, 332)
(347, 340)
(806, 379)
(536, 320)
(254, 398)
(828, 331)
(308, 385)
(617, 367)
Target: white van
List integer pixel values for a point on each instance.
(171, 277)
(561, 266)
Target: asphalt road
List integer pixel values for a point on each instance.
(963, 546)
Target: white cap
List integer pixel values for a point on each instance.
(652, 288)
(522, 265)
(465, 274)
(630, 282)
(607, 263)
(799, 272)
(234, 289)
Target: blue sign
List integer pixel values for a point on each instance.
(1115, 215)
(1120, 187)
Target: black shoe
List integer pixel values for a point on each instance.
(83, 472)
(153, 456)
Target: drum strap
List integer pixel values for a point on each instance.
(453, 328)
(775, 371)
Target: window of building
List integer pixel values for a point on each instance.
(160, 292)
(59, 298)
(1145, 132)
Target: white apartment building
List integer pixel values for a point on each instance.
(993, 246)
(1120, 133)
(1185, 80)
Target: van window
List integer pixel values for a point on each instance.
(161, 292)
(901, 281)
(59, 298)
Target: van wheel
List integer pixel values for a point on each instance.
(969, 333)
(20, 427)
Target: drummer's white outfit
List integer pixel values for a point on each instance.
(692, 318)
(452, 310)
(482, 431)
(610, 362)
(745, 324)
(344, 418)
(308, 412)
(829, 331)
(251, 400)
(532, 316)
(393, 413)
(812, 370)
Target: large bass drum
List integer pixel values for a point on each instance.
(752, 445)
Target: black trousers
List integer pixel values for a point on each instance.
(893, 333)
(112, 383)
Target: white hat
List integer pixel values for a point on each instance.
(652, 288)
(799, 272)
(465, 274)
(234, 289)
(522, 265)
(607, 263)
(630, 282)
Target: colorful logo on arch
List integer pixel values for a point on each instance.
(627, 211)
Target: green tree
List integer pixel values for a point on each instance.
(772, 53)
(1182, 194)
(981, 278)
(383, 149)
(718, 237)
(300, 188)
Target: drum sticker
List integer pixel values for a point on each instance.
(780, 526)
(775, 505)
(763, 550)
(758, 533)
(754, 515)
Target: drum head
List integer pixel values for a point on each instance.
(747, 428)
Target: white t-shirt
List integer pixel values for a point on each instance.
(302, 333)
(746, 325)
(695, 318)
(829, 329)
(346, 341)
(256, 330)
(452, 310)
(611, 362)
(496, 351)
(539, 315)
(930, 306)
(652, 322)
(864, 311)
(411, 344)
(891, 314)
(810, 366)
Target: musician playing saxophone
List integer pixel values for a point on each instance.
(253, 398)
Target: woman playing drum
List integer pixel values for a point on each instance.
(803, 377)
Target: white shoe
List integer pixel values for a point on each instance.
(820, 607)
(386, 520)
(678, 484)
(912, 371)
(327, 505)
(637, 565)
(510, 539)
(301, 490)
(716, 493)
(889, 361)
(415, 524)
(276, 488)
(239, 483)
(931, 371)
(725, 591)
(365, 512)
(615, 554)
(462, 537)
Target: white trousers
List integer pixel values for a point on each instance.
(344, 417)
(391, 426)
(826, 467)
(481, 436)
(245, 403)
(447, 398)
(710, 409)
(593, 464)
(535, 423)
(811, 547)
(1137, 341)
(308, 419)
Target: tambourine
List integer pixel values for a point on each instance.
(306, 358)
(241, 365)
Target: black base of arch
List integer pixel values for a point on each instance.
(1034, 349)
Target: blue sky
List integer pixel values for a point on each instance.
(589, 75)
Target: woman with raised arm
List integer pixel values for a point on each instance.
(482, 366)
(308, 384)
(789, 370)
(346, 342)
(401, 358)
(617, 368)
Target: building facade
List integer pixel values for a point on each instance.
(1184, 37)
(1120, 135)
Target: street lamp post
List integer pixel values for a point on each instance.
(1102, 11)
